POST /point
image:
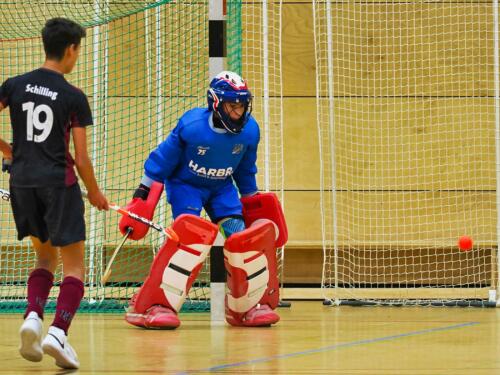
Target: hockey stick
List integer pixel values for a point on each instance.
(107, 271)
(169, 232)
(4, 195)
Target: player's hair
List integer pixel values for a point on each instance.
(58, 34)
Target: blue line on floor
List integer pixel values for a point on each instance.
(327, 348)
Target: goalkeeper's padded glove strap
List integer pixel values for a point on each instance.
(142, 192)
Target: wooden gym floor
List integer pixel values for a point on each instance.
(310, 339)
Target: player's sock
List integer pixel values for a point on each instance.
(39, 284)
(70, 296)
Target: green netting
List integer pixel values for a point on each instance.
(141, 66)
(88, 14)
(112, 306)
(234, 34)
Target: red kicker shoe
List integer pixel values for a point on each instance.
(161, 317)
(259, 316)
(156, 317)
(132, 317)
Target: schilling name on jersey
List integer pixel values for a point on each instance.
(40, 90)
(210, 172)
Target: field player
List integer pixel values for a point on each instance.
(45, 196)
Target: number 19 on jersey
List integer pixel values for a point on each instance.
(33, 121)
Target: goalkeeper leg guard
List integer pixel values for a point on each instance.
(266, 206)
(172, 273)
(250, 260)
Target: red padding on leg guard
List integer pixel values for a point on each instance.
(266, 206)
(250, 259)
(174, 269)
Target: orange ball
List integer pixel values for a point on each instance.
(465, 243)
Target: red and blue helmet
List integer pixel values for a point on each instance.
(229, 87)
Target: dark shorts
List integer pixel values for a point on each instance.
(55, 213)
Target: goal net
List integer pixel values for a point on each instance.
(142, 65)
(257, 57)
(407, 119)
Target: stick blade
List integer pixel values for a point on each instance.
(106, 276)
(107, 271)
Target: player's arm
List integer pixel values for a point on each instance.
(86, 169)
(244, 175)
(158, 167)
(6, 150)
(161, 163)
(5, 147)
(80, 118)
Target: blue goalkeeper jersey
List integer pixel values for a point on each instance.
(198, 154)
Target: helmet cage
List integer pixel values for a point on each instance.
(224, 91)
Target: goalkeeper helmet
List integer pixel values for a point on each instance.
(229, 87)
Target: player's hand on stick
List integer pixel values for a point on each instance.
(98, 200)
(6, 164)
(7, 157)
(143, 204)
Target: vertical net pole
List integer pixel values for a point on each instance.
(159, 42)
(265, 93)
(331, 126)
(497, 141)
(217, 54)
(95, 139)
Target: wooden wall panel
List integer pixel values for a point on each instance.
(298, 51)
(127, 57)
(415, 219)
(397, 143)
(418, 143)
(395, 219)
(303, 220)
(301, 152)
(415, 267)
(410, 48)
(413, 49)
(184, 48)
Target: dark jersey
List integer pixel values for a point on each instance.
(43, 109)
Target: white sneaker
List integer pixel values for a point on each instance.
(56, 345)
(31, 337)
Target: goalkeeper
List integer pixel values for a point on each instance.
(208, 150)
